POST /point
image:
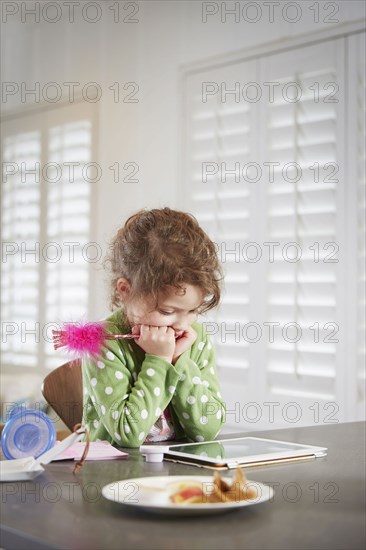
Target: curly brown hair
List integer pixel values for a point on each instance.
(160, 249)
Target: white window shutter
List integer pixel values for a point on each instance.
(356, 358)
(53, 216)
(20, 231)
(361, 216)
(302, 362)
(308, 295)
(219, 130)
(68, 223)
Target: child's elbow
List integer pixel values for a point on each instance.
(129, 436)
(207, 432)
(131, 441)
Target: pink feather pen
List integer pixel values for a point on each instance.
(85, 339)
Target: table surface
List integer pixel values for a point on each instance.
(317, 504)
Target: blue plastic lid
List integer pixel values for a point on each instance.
(27, 433)
(17, 408)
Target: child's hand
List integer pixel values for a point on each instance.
(158, 341)
(184, 342)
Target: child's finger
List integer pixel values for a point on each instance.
(144, 330)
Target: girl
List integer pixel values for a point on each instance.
(163, 384)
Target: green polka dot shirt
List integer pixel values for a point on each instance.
(126, 391)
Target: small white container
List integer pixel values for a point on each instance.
(153, 453)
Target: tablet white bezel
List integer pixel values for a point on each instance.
(303, 451)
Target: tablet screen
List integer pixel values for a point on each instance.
(241, 448)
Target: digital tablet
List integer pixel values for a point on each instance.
(241, 451)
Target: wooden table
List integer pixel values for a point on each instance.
(318, 504)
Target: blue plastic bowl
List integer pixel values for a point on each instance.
(27, 433)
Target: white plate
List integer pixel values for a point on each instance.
(152, 494)
(19, 469)
(27, 468)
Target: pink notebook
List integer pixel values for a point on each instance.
(98, 450)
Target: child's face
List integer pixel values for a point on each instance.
(174, 309)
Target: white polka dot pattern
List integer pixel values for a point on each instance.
(114, 395)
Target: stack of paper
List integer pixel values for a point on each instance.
(98, 450)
